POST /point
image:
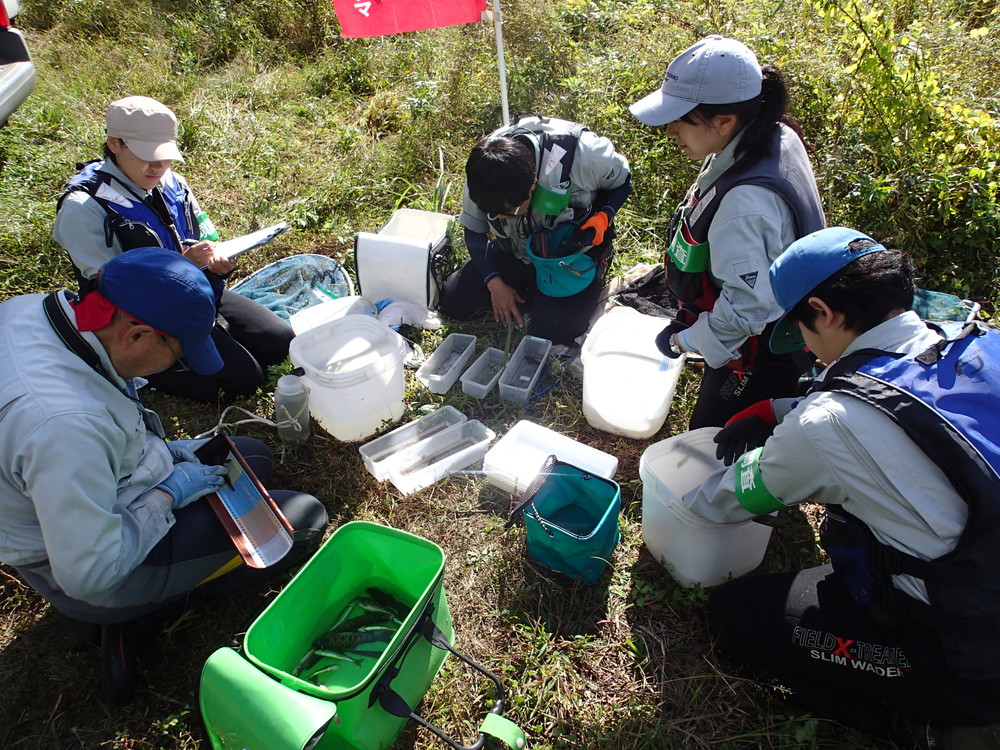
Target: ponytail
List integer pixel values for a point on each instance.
(758, 115)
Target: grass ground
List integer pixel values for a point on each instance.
(281, 119)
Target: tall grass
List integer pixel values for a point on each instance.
(283, 119)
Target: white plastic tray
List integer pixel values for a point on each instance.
(523, 369)
(380, 453)
(443, 367)
(483, 374)
(430, 460)
(514, 461)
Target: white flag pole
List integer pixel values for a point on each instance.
(497, 26)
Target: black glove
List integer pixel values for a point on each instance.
(592, 231)
(663, 339)
(741, 436)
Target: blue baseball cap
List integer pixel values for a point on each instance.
(165, 290)
(805, 264)
(715, 70)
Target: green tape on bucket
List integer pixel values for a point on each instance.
(504, 730)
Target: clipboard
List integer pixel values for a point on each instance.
(259, 530)
(239, 245)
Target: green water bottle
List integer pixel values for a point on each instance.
(206, 229)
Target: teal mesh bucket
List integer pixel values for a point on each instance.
(562, 267)
(571, 520)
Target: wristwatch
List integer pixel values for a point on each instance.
(675, 347)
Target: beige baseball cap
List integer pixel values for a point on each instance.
(148, 128)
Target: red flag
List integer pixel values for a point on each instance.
(382, 17)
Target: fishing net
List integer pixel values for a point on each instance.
(941, 306)
(295, 283)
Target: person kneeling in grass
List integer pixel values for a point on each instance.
(898, 438)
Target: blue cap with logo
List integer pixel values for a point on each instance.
(805, 264)
(166, 291)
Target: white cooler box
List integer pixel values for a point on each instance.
(398, 262)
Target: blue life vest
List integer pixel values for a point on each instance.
(947, 399)
(162, 219)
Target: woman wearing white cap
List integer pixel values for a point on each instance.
(132, 198)
(754, 196)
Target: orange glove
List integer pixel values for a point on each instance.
(598, 222)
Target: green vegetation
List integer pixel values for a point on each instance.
(283, 119)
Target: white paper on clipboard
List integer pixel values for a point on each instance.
(239, 245)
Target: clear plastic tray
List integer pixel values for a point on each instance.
(443, 367)
(432, 459)
(483, 374)
(381, 452)
(526, 364)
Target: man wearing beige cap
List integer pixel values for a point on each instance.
(132, 198)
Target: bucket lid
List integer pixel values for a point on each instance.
(360, 346)
(317, 315)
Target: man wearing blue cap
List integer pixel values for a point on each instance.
(899, 439)
(97, 510)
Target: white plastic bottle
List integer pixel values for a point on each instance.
(291, 405)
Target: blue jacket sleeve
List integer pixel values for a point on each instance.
(478, 246)
(614, 198)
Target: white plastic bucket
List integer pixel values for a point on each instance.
(692, 549)
(354, 368)
(627, 382)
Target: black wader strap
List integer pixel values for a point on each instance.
(71, 337)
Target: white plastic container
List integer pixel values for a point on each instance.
(483, 374)
(512, 464)
(398, 262)
(317, 315)
(381, 452)
(354, 370)
(291, 409)
(523, 369)
(430, 460)
(422, 226)
(443, 367)
(627, 383)
(692, 549)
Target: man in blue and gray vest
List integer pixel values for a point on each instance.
(538, 211)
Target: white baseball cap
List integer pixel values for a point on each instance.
(148, 128)
(716, 70)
